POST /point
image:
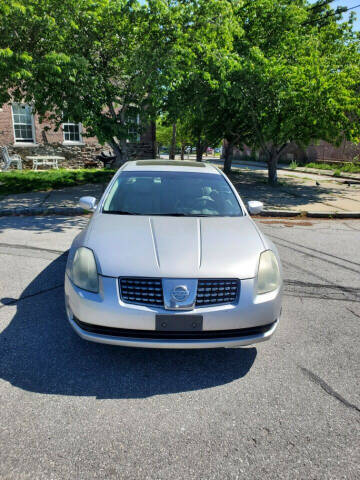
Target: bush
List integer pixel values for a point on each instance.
(293, 165)
(29, 181)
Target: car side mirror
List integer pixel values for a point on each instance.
(88, 203)
(255, 207)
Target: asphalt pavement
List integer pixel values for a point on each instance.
(285, 409)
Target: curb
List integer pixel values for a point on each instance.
(293, 213)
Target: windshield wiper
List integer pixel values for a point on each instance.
(120, 212)
(169, 214)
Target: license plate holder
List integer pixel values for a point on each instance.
(179, 323)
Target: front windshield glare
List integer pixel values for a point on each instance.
(171, 193)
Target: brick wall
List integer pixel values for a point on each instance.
(325, 152)
(6, 126)
(321, 152)
(51, 142)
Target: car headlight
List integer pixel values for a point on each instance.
(83, 271)
(268, 277)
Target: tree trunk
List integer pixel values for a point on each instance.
(120, 152)
(272, 168)
(199, 151)
(228, 153)
(173, 143)
(182, 151)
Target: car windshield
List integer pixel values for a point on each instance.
(171, 193)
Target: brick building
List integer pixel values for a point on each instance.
(320, 152)
(22, 133)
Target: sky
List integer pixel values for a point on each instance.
(348, 4)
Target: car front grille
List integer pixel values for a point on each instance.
(215, 292)
(144, 291)
(149, 291)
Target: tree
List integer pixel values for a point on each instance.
(184, 138)
(172, 150)
(263, 72)
(204, 55)
(99, 62)
(287, 72)
(295, 79)
(163, 133)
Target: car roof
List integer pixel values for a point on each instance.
(169, 166)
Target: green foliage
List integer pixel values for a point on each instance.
(283, 76)
(163, 133)
(337, 173)
(262, 73)
(298, 82)
(293, 165)
(30, 181)
(99, 62)
(345, 167)
(205, 53)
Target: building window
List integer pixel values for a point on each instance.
(72, 132)
(133, 122)
(23, 123)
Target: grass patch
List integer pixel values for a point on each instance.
(30, 181)
(341, 167)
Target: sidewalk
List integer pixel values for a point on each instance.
(298, 195)
(282, 166)
(295, 195)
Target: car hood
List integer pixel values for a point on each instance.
(178, 247)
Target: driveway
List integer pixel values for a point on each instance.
(285, 409)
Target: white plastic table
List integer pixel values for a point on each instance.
(45, 160)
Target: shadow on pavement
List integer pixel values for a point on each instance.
(288, 195)
(39, 352)
(43, 224)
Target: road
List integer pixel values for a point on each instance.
(285, 409)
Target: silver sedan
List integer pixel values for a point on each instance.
(172, 259)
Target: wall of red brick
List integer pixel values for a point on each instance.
(45, 132)
(6, 125)
(320, 152)
(49, 141)
(325, 152)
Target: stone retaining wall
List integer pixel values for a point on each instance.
(76, 156)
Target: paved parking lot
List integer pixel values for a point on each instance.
(285, 409)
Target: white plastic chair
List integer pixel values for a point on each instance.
(10, 159)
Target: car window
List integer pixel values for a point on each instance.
(171, 193)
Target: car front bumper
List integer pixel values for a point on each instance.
(103, 317)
